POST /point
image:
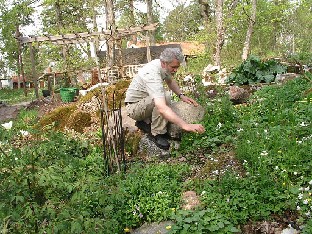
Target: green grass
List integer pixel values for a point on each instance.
(14, 96)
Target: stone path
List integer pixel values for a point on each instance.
(9, 112)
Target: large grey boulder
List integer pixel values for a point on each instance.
(189, 113)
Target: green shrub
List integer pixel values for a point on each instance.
(253, 70)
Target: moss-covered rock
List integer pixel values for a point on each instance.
(57, 119)
(78, 121)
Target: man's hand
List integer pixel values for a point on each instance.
(197, 128)
(172, 117)
(188, 100)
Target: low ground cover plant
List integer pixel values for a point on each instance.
(57, 184)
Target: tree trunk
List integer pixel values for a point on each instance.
(252, 21)
(220, 32)
(110, 24)
(150, 20)
(131, 13)
(206, 11)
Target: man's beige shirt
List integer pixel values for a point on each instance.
(149, 81)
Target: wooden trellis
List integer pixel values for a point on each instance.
(78, 38)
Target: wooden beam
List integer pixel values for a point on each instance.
(73, 38)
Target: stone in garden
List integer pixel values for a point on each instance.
(150, 150)
(290, 230)
(154, 228)
(189, 113)
(190, 200)
(238, 95)
(214, 75)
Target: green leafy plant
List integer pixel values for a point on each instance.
(201, 221)
(218, 122)
(254, 70)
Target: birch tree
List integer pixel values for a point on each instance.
(150, 20)
(220, 32)
(111, 25)
(252, 21)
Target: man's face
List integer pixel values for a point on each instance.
(172, 67)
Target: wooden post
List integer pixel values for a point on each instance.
(148, 49)
(49, 83)
(119, 62)
(33, 69)
(97, 60)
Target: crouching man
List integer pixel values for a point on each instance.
(148, 102)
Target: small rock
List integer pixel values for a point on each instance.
(148, 148)
(290, 230)
(154, 228)
(190, 200)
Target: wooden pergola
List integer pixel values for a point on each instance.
(78, 38)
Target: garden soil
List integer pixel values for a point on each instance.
(10, 112)
(44, 105)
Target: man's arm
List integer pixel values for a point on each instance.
(172, 117)
(173, 85)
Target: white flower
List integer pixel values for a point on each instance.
(308, 213)
(307, 188)
(240, 130)
(298, 208)
(8, 125)
(305, 202)
(295, 173)
(265, 131)
(216, 172)
(310, 182)
(24, 133)
(188, 78)
(300, 196)
(16, 158)
(219, 125)
(303, 124)
(203, 192)
(264, 153)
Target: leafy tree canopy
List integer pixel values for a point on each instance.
(182, 23)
